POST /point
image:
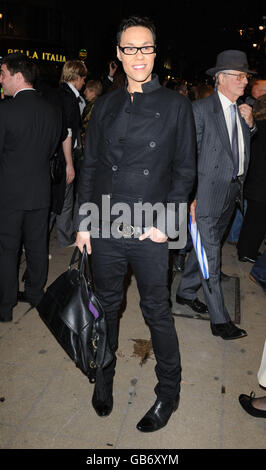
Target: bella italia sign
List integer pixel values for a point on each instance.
(40, 55)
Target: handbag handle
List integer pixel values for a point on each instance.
(83, 262)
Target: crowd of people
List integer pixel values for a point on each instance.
(133, 140)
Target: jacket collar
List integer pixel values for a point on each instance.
(150, 86)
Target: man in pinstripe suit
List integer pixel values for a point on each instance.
(223, 140)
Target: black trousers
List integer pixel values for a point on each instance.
(253, 229)
(149, 262)
(29, 227)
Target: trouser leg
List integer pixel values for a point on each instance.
(211, 230)
(35, 240)
(109, 266)
(64, 221)
(10, 240)
(149, 261)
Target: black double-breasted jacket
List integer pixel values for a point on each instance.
(140, 150)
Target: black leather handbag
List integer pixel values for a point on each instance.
(74, 315)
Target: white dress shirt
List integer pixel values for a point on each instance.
(226, 103)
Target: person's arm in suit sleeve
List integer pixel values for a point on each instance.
(199, 125)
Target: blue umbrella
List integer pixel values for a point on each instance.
(199, 249)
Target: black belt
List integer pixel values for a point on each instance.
(125, 230)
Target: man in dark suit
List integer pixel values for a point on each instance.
(29, 132)
(223, 139)
(139, 148)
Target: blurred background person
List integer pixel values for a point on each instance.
(258, 88)
(93, 89)
(254, 224)
(203, 90)
(72, 80)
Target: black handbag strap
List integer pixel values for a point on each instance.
(83, 263)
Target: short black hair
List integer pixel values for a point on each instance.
(17, 62)
(136, 21)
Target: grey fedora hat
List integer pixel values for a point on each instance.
(230, 60)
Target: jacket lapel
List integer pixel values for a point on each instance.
(219, 120)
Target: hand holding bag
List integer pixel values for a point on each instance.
(74, 315)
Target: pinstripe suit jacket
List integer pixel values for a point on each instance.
(215, 159)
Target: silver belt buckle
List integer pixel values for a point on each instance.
(127, 231)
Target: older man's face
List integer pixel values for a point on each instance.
(231, 85)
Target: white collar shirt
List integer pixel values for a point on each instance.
(226, 103)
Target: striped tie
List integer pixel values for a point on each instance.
(235, 149)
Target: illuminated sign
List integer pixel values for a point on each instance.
(40, 55)
(83, 54)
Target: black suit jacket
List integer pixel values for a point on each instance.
(30, 128)
(71, 110)
(140, 151)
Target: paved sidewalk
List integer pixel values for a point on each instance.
(45, 402)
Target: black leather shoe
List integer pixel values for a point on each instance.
(103, 408)
(195, 304)
(246, 403)
(227, 330)
(158, 415)
(246, 259)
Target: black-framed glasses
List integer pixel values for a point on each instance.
(239, 76)
(130, 50)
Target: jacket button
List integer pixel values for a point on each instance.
(152, 144)
(114, 167)
(146, 172)
(157, 115)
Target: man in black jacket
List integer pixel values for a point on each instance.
(30, 129)
(139, 148)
